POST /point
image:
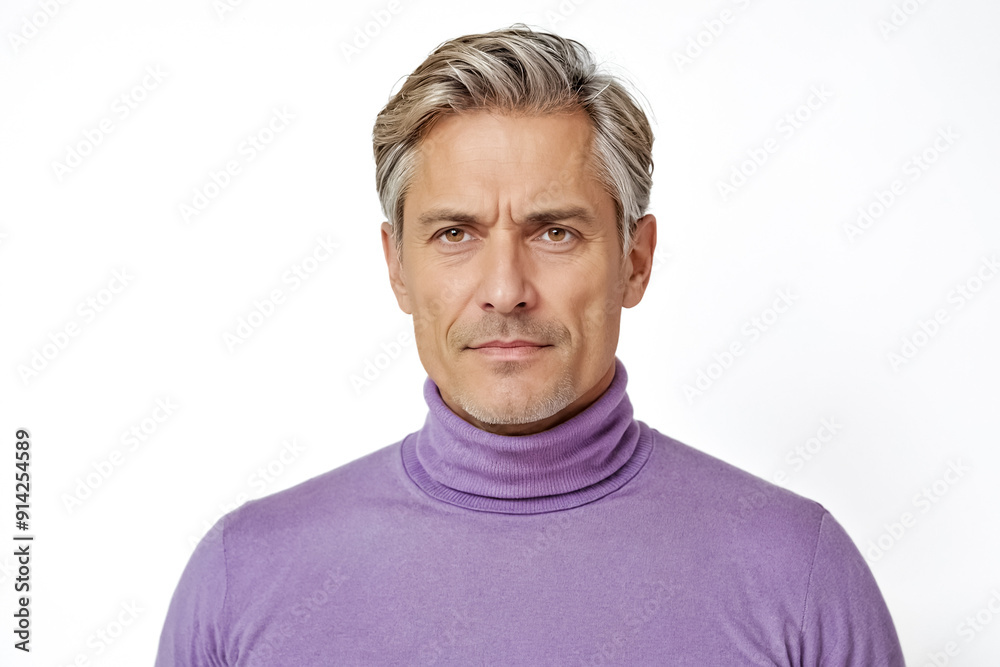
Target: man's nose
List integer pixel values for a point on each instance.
(505, 281)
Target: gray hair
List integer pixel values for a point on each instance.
(517, 70)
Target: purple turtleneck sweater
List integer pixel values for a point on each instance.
(600, 541)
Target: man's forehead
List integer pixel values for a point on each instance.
(471, 134)
(543, 161)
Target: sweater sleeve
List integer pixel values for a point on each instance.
(192, 633)
(845, 622)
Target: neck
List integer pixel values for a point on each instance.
(578, 460)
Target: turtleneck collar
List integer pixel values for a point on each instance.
(578, 461)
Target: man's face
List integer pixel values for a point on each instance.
(512, 268)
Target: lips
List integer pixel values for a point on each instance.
(507, 344)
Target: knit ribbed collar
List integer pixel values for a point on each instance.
(578, 461)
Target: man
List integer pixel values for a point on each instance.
(531, 520)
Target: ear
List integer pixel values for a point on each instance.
(639, 265)
(395, 269)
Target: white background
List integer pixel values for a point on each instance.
(857, 296)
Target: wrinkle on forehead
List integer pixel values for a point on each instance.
(481, 149)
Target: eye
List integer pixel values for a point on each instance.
(452, 234)
(561, 234)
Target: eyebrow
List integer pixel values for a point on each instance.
(549, 215)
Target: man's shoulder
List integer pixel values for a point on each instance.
(325, 498)
(717, 491)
